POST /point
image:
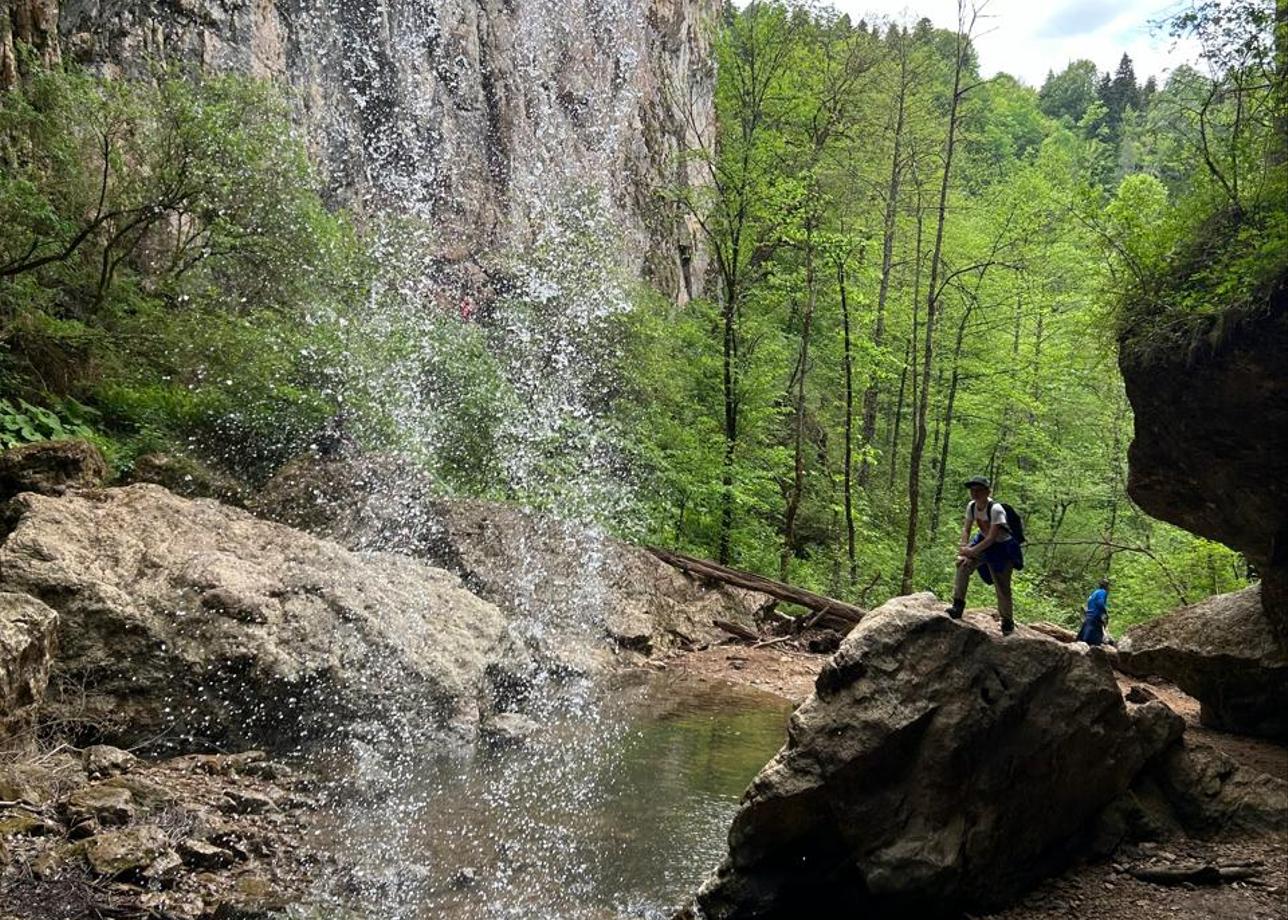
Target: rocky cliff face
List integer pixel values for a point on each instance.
(492, 118)
(1211, 447)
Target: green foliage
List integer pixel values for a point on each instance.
(1069, 94)
(1058, 201)
(165, 259)
(24, 423)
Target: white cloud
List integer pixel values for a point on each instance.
(1026, 38)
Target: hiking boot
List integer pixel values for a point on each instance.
(1008, 627)
(956, 609)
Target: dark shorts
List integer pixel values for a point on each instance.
(999, 557)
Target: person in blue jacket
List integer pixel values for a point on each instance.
(1095, 620)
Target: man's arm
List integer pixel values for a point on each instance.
(994, 531)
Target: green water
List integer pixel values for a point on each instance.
(618, 808)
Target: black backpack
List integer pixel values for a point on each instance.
(1014, 523)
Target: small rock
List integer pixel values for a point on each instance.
(103, 803)
(27, 783)
(825, 643)
(227, 764)
(102, 760)
(164, 868)
(1140, 694)
(117, 852)
(246, 802)
(50, 863)
(253, 897)
(200, 854)
(465, 878)
(508, 728)
(51, 467)
(269, 770)
(25, 824)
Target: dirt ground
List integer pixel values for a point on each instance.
(1098, 889)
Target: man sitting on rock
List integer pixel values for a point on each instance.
(993, 552)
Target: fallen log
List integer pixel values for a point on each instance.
(828, 607)
(734, 629)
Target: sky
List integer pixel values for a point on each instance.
(1026, 38)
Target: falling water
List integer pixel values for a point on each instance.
(489, 151)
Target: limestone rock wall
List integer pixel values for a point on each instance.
(486, 116)
(1211, 446)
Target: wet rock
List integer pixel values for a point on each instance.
(594, 596)
(164, 869)
(227, 764)
(28, 631)
(199, 854)
(247, 802)
(102, 803)
(102, 760)
(52, 862)
(508, 728)
(30, 783)
(114, 853)
(1222, 652)
(19, 823)
(255, 897)
(342, 633)
(51, 468)
(187, 477)
(937, 767)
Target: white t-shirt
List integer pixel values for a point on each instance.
(988, 516)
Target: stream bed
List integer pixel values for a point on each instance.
(616, 808)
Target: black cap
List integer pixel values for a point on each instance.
(978, 481)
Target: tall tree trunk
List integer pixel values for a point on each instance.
(910, 353)
(849, 422)
(932, 307)
(937, 507)
(729, 315)
(898, 413)
(798, 434)
(871, 394)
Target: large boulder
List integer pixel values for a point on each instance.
(51, 467)
(1222, 652)
(572, 589)
(27, 641)
(369, 502)
(188, 477)
(198, 624)
(938, 767)
(1211, 447)
(568, 579)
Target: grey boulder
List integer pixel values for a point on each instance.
(189, 623)
(1224, 653)
(938, 767)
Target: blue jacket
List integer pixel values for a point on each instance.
(1093, 622)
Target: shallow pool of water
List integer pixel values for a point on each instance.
(617, 808)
